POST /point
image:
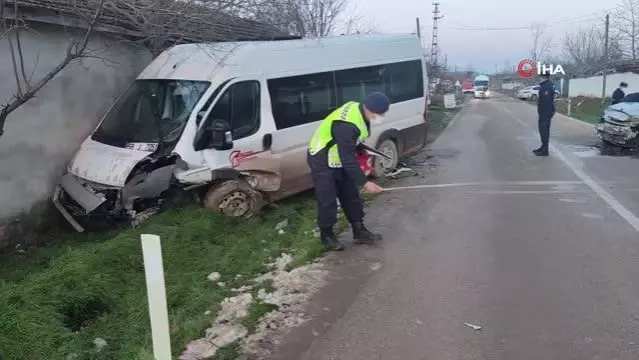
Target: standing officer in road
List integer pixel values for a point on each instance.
(545, 110)
(336, 171)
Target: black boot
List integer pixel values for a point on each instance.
(540, 152)
(330, 242)
(362, 235)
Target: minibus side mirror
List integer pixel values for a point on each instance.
(218, 136)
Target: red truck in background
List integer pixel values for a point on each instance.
(467, 87)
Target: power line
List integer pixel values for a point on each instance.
(558, 22)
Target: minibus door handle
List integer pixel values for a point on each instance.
(267, 142)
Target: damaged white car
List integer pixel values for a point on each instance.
(231, 122)
(619, 125)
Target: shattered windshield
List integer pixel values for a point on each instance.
(150, 111)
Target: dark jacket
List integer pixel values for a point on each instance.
(345, 136)
(617, 96)
(546, 98)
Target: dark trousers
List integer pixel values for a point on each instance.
(330, 185)
(544, 129)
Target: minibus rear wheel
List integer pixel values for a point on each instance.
(234, 198)
(382, 166)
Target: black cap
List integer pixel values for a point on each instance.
(546, 74)
(623, 84)
(376, 102)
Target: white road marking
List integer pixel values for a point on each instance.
(587, 153)
(572, 201)
(592, 216)
(614, 204)
(523, 192)
(503, 183)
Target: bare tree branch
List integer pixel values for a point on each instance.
(541, 43)
(626, 22)
(157, 25)
(73, 52)
(311, 18)
(584, 51)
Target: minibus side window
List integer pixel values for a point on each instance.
(239, 105)
(355, 84)
(299, 100)
(406, 81)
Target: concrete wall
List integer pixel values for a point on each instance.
(510, 85)
(591, 86)
(42, 136)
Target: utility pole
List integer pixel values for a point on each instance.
(419, 29)
(605, 72)
(434, 45)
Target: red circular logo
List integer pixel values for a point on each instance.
(526, 68)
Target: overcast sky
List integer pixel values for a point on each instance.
(481, 48)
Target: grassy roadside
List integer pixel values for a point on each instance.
(583, 108)
(438, 119)
(54, 301)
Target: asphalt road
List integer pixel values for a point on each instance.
(542, 253)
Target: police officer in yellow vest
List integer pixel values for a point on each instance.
(336, 171)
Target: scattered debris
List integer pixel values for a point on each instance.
(375, 266)
(234, 308)
(221, 284)
(292, 290)
(225, 334)
(199, 349)
(214, 277)
(281, 225)
(100, 344)
(281, 232)
(282, 262)
(207, 312)
(474, 327)
(399, 171)
(418, 322)
(224, 331)
(244, 288)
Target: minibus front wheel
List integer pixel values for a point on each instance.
(234, 198)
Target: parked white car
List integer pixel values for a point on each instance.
(529, 93)
(532, 93)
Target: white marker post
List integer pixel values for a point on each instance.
(154, 270)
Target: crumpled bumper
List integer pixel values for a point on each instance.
(616, 134)
(71, 198)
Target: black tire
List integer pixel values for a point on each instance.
(234, 198)
(382, 166)
(533, 97)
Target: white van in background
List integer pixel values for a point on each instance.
(481, 87)
(232, 121)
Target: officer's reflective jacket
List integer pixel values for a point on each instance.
(323, 137)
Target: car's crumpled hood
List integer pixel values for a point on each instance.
(616, 111)
(105, 164)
